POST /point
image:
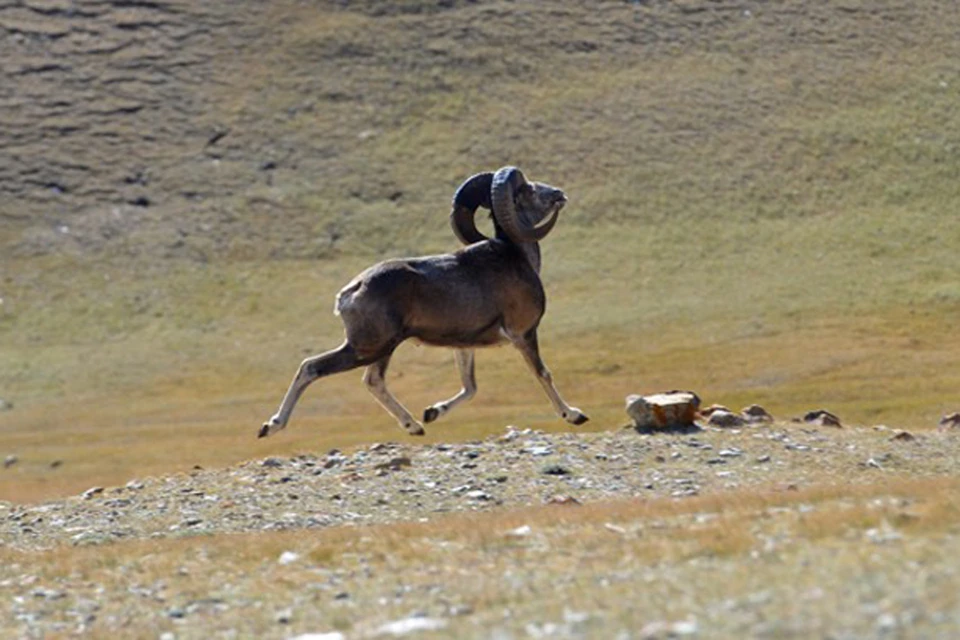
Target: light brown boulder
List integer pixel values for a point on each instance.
(663, 410)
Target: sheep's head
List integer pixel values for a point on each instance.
(525, 211)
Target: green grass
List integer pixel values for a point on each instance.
(762, 210)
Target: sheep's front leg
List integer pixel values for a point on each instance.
(464, 358)
(311, 369)
(527, 345)
(374, 379)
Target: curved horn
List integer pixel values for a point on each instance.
(506, 182)
(472, 194)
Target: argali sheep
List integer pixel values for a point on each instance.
(484, 294)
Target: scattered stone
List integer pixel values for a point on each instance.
(562, 500)
(725, 419)
(763, 458)
(661, 630)
(663, 410)
(92, 491)
(394, 464)
(479, 494)
(730, 453)
(904, 436)
(822, 418)
(288, 557)
(707, 412)
(331, 635)
(10, 460)
(272, 463)
(5, 405)
(555, 470)
(411, 625)
(755, 414)
(539, 450)
(520, 532)
(284, 616)
(56, 464)
(950, 421)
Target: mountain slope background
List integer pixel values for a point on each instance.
(762, 209)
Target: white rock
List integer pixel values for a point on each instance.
(332, 635)
(520, 532)
(411, 625)
(288, 557)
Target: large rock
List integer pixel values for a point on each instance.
(663, 410)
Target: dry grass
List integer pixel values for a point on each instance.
(597, 553)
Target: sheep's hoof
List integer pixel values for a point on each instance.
(581, 419)
(270, 426)
(415, 429)
(576, 417)
(431, 414)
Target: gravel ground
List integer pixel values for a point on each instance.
(392, 482)
(79, 565)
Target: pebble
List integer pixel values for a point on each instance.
(555, 470)
(9, 461)
(411, 625)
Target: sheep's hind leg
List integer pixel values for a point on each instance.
(374, 379)
(341, 359)
(464, 358)
(527, 345)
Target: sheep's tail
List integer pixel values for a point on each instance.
(345, 295)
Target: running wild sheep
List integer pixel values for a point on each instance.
(487, 293)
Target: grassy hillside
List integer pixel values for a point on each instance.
(762, 209)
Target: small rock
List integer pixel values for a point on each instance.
(822, 418)
(707, 412)
(288, 557)
(563, 500)
(721, 418)
(331, 635)
(411, 625)
(284, 616)
(555, 470)
(763, 458)
(394, 464)
(950, 421)
(730, 453)
(5, 405)
(479, 494)
(56, 464)
(904, 436)
(272, 462)
(756, 414)
(9, 461)
(658, 630)
(176, 612)
(92, 491)
(520, 532)
(539, 451)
